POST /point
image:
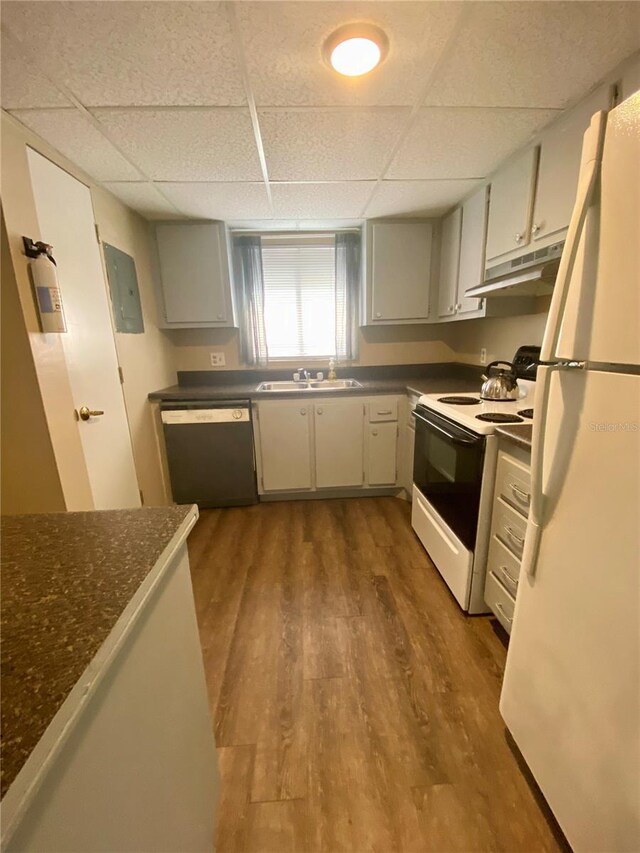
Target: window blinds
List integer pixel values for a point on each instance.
(299, 295)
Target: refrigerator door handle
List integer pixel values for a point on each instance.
(536, 507)
(589, 167)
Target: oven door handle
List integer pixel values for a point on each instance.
(454, 437)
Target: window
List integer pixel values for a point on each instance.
(299, 296)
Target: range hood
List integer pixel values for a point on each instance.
(533, 274)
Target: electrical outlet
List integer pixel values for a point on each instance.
(483, 356)
(217, 359)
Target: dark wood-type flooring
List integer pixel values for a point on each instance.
(355, 706)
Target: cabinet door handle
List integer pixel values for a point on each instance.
(504, 613)
(515, 536)
(520, 493)
(536, 227)
(319, 411)
(378, 314)
(303, 411)
(508, 577)
(519, 237)
(374, 432)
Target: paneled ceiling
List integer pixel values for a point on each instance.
(227, 110)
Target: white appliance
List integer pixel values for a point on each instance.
(454, 468)
(571, 693)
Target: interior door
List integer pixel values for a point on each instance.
(65, 217)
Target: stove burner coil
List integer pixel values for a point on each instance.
(499, 418)
(459, 401)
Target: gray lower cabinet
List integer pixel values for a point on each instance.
(284, 431)
(194, 274)
(339, 443)
(328, 443)
(512, 496)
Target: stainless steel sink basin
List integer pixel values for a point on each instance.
(283, 386)
(314, 385)
(331, 384)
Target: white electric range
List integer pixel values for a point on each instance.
(453, 478)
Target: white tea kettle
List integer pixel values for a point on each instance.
(500, 384)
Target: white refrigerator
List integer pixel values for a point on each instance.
(571, 692)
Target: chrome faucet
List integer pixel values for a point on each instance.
(304, 374)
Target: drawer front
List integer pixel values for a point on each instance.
(513, 483)
(503, 565)
(509, 526)
(385, 410)
(499, 600)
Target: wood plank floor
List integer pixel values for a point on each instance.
(355, 706)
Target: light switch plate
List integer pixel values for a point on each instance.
(483, 356)
(217, 359)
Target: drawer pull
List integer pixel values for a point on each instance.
(509, 578)
(504, 613)
(515, 536)
(519, 493)
(384, 412)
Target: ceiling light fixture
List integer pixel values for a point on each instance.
(356, 49)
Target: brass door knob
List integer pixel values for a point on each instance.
(84, 413)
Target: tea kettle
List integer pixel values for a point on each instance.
(500, 384)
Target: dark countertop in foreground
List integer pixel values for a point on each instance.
(418, 379)
(520, 434)
(66, 580)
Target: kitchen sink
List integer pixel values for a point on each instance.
(313, 385)
(283, 386)
(329, 384)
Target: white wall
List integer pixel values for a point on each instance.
(147, 358)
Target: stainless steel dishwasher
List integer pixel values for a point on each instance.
(210, 452)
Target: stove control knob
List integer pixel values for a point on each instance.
(237, 414)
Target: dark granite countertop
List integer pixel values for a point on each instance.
(520, 434)
(395, 379)
(66, 580)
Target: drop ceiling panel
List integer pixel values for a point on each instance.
(283, 44)
(74, 136)
(219, 200)
(417, 198)
(186, 144)
(320, 201)
(22, 86)
(144, 198)
(145, 53)
(463, 142)
(329, 144)
(535, 54)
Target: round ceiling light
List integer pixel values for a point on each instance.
(356, 49)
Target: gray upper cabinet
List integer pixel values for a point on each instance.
(510, 210)
(472, 243)
(195, 278)
(398, 273)
(449, 264)
(559, 168)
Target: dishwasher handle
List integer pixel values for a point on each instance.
(175, 417)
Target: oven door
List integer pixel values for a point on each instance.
(447, 469)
